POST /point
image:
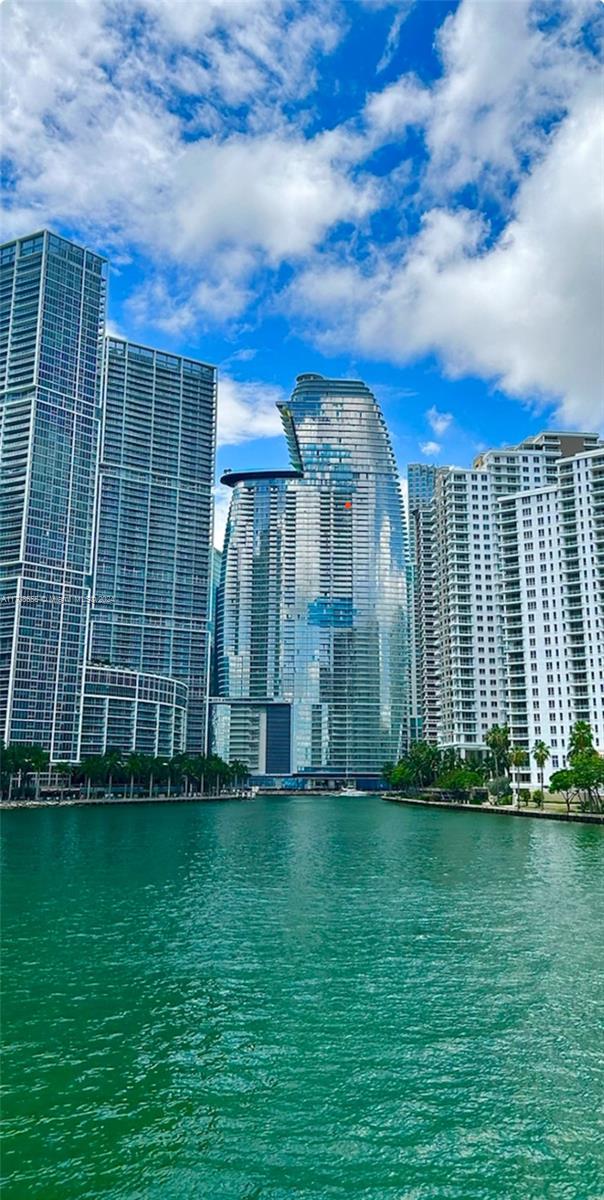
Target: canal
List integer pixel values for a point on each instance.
(301, 998)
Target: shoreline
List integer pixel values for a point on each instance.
(83, 802)
(498, 810)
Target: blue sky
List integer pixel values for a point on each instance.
(410, 193)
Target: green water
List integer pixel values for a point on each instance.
(301, 998)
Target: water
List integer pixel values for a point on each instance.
(305, 998)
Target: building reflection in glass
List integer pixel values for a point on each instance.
(312, 647)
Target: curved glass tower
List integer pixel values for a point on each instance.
(312, 629)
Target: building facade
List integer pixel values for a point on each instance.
(51, 346)
(552, 598)
(421, 482)
(132, 712)
(107, 463)
(313, 659)
(492, 596)
(154, 525)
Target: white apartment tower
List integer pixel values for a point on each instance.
(552, 590)
(421, 480)
(470, 581)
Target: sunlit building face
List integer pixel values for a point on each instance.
(312, 651)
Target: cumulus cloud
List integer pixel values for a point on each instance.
(430, 449)
(103, 134)
(187, 132)
(438, 421)
(523, 307)
(247, 411)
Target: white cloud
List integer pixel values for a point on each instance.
(524, 309)
(438, 421)
(247, 411)
(98, 143)
(389, 112)
(394, 34)
(430, 449)
(190, 144)
(505, 69)
(222, 500)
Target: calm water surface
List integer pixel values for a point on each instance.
(301, 998)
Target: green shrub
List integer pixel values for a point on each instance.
(500, 789)
(538, 797)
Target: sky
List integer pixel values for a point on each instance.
(410, 193)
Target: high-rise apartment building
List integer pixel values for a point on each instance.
(106, 475)
(421, 481)
(426, 656)
(312, 644)
(51, 345)
(552, 597)
(154, 528)
(472, 590)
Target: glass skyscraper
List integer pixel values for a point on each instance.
(312, 628)
(106, 472)
(52, 296)
(152, 565)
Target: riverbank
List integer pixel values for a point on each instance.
(498, 810)
(94, 801)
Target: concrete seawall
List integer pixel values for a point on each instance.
(501, 811)
(94, 801)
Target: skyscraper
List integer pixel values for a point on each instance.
(106, 476)
(51, 344)
(421, 479)
(152, 562)
(474, 598)
(313, 641)
(552, 600)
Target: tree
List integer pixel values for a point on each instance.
(460, 779)
(94, 770)
(588, 778)
(517, 759)
(563, 782)
(387, 770)
(113, 763)
(497, 739)
(23, 759)
(241, 773)
(499, 789)
(161, 770)
(401, 776)
(64, 771)
(581, 739)
(541, 754)
(134, 766)
(424, 763)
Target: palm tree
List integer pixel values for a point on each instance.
(581, 739)
(517, 758)
(64, 771)
(23, 759)
(161, 770)
(113, 761)
(94, 770)
(134, 766)
(541, 753)
(497, 739)
(241, 772)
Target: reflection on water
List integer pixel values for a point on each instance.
(301, 998)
